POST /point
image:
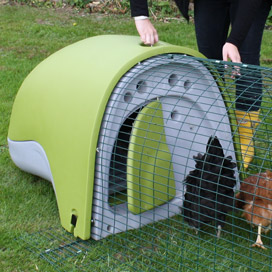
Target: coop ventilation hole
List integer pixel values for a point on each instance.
(128, 97)
(187, 85)
(141, 86)
(175, 115)
(173, 79)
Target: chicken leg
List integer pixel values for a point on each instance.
(259, 242)
(218, 233)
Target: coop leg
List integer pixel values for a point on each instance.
(259, 242)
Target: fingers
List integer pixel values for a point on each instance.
(149, 38)
(147, 32)
(230, 51)
(225, 56)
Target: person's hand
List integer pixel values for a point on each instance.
(230, 51)
(147, 31)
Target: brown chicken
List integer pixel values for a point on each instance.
(255, 198)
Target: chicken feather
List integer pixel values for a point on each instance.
(209, 187)
(255, 198)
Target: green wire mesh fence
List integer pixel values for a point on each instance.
(182, 178)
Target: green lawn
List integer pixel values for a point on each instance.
(27, 203)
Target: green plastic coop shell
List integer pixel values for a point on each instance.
(60, 106)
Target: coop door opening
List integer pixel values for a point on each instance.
(141, 170)
(118, 164)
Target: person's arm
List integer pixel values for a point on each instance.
(147, 32)
(139, 8)
(245, 15)
(244, 18)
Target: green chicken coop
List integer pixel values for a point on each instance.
(114, 125)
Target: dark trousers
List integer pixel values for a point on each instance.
(212, 22)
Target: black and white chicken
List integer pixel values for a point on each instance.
(209, 188)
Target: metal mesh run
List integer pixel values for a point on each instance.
(182, 179)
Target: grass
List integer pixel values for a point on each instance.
(27, 203)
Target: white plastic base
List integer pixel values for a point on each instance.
(31, 157)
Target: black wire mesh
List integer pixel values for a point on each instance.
(182, 178)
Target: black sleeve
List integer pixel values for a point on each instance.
(244, 17)
(139, 8)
